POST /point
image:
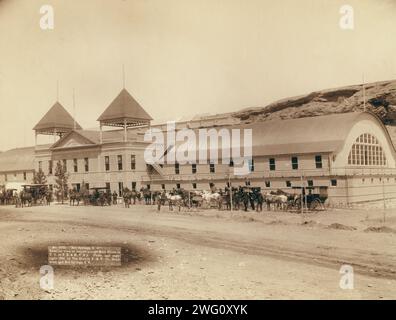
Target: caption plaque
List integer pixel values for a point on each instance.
(84, 256)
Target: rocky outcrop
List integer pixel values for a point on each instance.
(379, 98)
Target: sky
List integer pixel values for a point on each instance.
(182, 57)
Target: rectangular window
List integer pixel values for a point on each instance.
(108, 186)
(194, 168)
(251, 165)
(294, 161)
(194, 185)
(318, 162)
(177, 168)
(272, 164)
(120, 188)
(86, 164)
(40, 165)
(75, 165)
(5, 178)
(310, 183)
(268, 184)
(163, 187)
(178, 186)
(87, 186)
(288, 184)
(24, 176)
(50, 165)
(148, 187)
(334, 183)
(133, 162)
(134, 185)
(231, 163)
(212, 168)
(119, 162)
(65, 164)
(107, 163)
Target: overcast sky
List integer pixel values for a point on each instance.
(182, 57)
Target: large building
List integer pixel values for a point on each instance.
(348, 157)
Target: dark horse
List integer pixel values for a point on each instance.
(75, 196)
(146, 195)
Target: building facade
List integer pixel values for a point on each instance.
(348, 157)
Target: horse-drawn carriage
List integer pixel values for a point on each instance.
(34, 194)
(98, 196)
(310, 200)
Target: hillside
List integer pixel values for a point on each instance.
(380, 99)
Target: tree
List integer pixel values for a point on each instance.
(39, 177)
(61, 179)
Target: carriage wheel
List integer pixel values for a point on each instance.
(317, 205)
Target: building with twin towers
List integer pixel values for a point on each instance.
(349, 157)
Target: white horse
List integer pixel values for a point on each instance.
(209, 197)
(279, 201)
(176, 200)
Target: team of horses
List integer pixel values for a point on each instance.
(26, 197)
(237, 198)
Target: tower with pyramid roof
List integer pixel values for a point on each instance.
(56, 122)
(124, 112)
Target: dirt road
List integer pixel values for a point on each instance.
(201, 255)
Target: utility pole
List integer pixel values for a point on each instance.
(383, 195)
(364, 94)
(302, 195)
(230, 189)
(74, 111)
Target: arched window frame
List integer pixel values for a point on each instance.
(367, 151)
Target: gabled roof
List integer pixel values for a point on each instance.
(124, 106)
(20, 159)
(57, 117)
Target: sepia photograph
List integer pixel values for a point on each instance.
(197, 150)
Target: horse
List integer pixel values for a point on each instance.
(196, 199)
(279, 201)
(74, 196)
(48, 197)
(211, 197)
(174, 200)
(127, 196)
(161, 199)
(86, 197)
(146, 195)
(115, 197)
(25, 198)
(135, 196)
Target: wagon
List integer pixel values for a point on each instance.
(37, 192)
(98, 196)
(312, 201)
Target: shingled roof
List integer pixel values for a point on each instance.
(57, 117)
(124, 106)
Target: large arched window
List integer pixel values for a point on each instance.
(367, 151)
